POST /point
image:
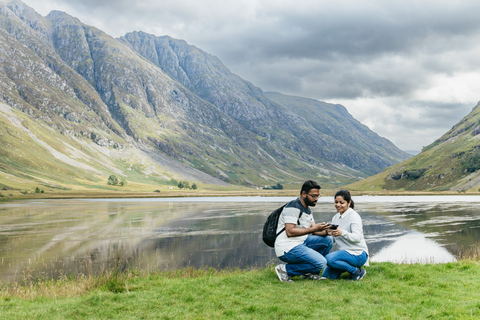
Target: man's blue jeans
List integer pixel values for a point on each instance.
(308, 257)
(340, 261)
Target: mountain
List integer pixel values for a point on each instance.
(451, 163)
(356, 145)
(77, 105)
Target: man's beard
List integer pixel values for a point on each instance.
(310, 203)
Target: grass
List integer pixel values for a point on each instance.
(389, 291)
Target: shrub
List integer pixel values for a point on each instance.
(186, 185)
(409, 174)
(471, 162)
(277, 186)
(112, 180)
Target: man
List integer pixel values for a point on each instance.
(304, 243)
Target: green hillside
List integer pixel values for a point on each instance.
(451, 163)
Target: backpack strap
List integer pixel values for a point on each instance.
(298, 221)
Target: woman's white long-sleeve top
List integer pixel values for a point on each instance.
(352, 239)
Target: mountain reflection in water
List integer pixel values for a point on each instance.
(55, 238)
(414, 247)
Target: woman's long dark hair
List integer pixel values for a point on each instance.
(345, 194)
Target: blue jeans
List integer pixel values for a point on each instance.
(308, 257)
(340, 261)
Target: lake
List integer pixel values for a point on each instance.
(58, 238)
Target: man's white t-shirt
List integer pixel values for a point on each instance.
(290, 214)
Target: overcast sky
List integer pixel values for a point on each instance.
(408, 69)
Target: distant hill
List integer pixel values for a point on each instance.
(77, 105)
(452, 163)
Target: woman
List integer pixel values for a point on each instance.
(352, 251)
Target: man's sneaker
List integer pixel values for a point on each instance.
(359, 274)
(310, 276)
(282, 273)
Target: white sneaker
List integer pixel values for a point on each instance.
(282, 273)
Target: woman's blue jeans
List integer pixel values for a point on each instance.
(340, 261)
(308, 257)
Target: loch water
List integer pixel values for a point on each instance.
(59, 238)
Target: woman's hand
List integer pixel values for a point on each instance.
(336, 233)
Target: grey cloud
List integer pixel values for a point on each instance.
(358, 34)
(415, 124)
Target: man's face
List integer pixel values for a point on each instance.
(311, 197)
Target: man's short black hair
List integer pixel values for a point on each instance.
(309, 185)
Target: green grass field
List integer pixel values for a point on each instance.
(388, 291)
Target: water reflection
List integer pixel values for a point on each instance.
(56, 238)
(414, 247)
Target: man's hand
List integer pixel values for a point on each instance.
(319, 226)
(292, 231)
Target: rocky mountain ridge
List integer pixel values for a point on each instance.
(161, 106)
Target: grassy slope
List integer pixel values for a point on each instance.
(442, 163)
(34, 156)
(389, 291)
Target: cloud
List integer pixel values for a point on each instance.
(410, 125)
(389, 62)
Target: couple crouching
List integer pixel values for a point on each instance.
(305, 245)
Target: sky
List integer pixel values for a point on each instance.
(409, 69)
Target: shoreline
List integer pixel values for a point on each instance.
(71, 194)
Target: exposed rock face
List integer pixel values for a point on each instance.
(176, 102)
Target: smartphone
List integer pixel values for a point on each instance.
(333, 227)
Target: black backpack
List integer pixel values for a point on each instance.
(270, 226)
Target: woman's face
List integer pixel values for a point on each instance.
(341, 205)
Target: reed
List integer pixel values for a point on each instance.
(77, 276)
(471, 252)
(70, 277)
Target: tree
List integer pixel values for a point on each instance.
(194, 186)
(180, 185)
(471, 161)
(277, 186)
(112, 180)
